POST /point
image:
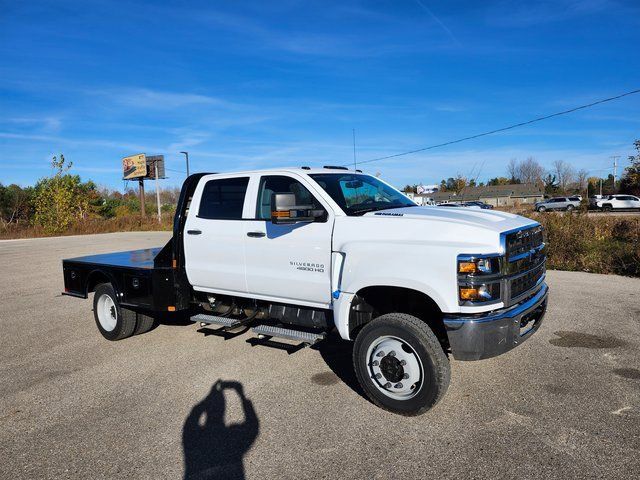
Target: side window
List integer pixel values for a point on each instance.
(280, 184)
(223, 199)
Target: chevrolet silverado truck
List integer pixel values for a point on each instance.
(296, 253)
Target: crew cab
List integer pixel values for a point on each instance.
(296, 253)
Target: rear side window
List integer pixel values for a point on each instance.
(223, 199)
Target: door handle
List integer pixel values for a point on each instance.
(194, 232)
(256, 234)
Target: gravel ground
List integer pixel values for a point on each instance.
(565, 404)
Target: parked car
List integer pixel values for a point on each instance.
(618, 202)
(297, 253)
(594, 199)
(478, 204)
(474, 205)
(557, 203)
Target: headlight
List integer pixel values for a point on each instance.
(478, 266)
(485, 292)
(479, 278)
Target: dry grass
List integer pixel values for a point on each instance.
(598, 244)
(92, 225)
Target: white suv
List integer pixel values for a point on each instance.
(618, 202)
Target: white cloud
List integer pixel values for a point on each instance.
(156, 99)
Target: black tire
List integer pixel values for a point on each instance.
(125, 320)
(570, 208)
(542, 209)
(436, 371)
(607, 208)
(144, 323)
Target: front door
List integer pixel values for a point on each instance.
(292, 262)
(214, 236)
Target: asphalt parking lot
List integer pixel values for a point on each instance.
(565, 404)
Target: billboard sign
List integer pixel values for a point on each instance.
(152, 162)
(426, 189)
(134, 166)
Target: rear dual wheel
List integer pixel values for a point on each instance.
(400, 364)
(114, 322)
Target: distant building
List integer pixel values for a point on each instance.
(496, 195)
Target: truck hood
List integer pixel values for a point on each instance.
(487, 219)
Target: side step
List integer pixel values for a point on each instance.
(289, 334)
(215, 320)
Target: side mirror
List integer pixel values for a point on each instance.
(285, 210)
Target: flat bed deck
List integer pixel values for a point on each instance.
(139, 259)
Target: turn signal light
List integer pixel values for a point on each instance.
(467, 267)
(480, 293)
(468, 293)
(479, 266)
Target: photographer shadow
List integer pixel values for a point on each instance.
(213, 450)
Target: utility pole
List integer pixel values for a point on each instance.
(600, 187)
(186, 154)
(141, 190)
(615, 170)
(155, 166)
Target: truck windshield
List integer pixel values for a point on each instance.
(359, 194)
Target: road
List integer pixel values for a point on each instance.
(565, 404)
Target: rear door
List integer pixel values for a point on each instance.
(292, 262)
(556, 203)
(214, 235)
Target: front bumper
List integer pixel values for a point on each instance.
(486, 335)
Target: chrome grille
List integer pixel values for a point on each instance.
(522, 283)
(525, 262)
(523, 241)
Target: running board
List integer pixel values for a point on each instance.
(289, 334)
(224, 322)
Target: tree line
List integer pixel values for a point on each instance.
(56, 202)
(562, 178)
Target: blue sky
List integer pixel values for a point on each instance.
(265, 84)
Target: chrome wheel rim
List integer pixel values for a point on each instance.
(107, 314)
(394, 367)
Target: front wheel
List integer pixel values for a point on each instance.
(400, 364)
(570, 208)
(542, 209)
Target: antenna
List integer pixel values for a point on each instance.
(355, 163)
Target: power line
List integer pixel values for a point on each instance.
(498, 130)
